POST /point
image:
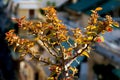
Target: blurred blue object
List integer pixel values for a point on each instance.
(109, 6)
(81, 5)
(8, 67)
(77, 61)
(116, 72)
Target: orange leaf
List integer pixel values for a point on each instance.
(98, 9)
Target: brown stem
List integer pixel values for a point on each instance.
(46, 62)
(49, 50)
(63, 61)
(68, 60)
(70, 44)
(56, 51)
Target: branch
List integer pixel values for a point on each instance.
(48, 49)
(44, 61)
(68, 60)
(53, 48)
(49, 63)
(56, 51)
(70, 44)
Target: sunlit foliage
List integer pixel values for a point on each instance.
(52, 33)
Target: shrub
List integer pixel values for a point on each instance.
(52, 34)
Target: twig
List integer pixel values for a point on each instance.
(70, 44)
(63, 60)
(46, 62)
(49, 50)
(68, 60)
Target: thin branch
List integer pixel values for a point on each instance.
(68, 60)
(56, 51)
(49, 50)
(63, 60)
(44, 61)
(49, 63)
(70, 44)
(53, 48)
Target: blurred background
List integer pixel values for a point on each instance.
(104, 61)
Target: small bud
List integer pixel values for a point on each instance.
(99, 39)
(109, 29)
(50, 27)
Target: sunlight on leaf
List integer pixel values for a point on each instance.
(85, 53)
(98, 8)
